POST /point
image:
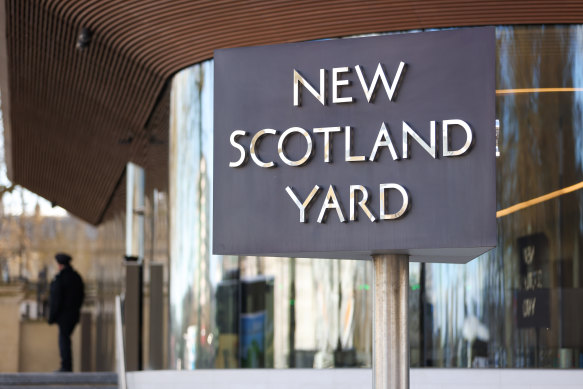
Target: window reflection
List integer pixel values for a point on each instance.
(516, 306)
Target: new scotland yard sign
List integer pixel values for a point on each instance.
(353, 147)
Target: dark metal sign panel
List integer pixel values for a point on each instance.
(353, 147)
(533, 297)
(533, 308)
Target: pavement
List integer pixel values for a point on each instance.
(58, 380)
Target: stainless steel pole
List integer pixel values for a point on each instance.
(391, 332)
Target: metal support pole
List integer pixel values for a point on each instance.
(391, 333)
(119, 346)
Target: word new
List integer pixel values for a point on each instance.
(337, 83)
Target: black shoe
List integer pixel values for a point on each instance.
(61, 370)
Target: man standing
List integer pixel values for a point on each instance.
(66, 298)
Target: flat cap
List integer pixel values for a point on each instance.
(63, 258)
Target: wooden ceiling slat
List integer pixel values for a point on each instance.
(67, 112)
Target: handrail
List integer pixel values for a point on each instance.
(119, 346)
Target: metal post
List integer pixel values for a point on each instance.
(156, 335)
(119, 346)
(87, 352)
(133, 316)
(391, 335)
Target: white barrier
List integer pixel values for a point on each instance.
(425, 378)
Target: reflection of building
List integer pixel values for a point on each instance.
(113, 100)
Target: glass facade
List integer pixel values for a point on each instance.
(516, 306)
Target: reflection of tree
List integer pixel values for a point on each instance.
(535, 126)
(192, 289)
(15, 238)
(538, 156)
(29, 242)
(4, 265)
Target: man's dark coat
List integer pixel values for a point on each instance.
(67, 294)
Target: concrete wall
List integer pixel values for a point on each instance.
(39, 351)
(356, 378)
(29, 345)
(39, 347)
(10, 298)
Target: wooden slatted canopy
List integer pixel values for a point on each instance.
(74, 118)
